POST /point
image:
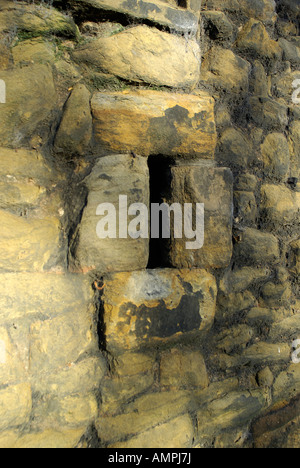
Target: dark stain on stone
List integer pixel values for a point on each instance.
(105, 177)
(162, 322)
(140, 7)
(163, 130)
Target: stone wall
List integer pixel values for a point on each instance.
(125, 342)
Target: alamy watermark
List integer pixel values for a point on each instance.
(296, 352)
(2, 92)
(136, 222)
(296, 93)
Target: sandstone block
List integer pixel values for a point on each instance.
(267, 353)
(294, 143)
(34, 51)
(145, 55)
(133, 374)
(235, 148)
(152, 122)
(218, 25)
(239, 279)
(28, 244)
(268, 113)
(25, 163)
(253, 38)
(24, 295)
(276, 295)
(258, 247)
(213, 188)
(142, 414)
(280, 205)
(150, 307)
(111, 177)
(232, 303)
(12, 369)
(177, 433)
(57, 343)
(276, 155)
(15, 405)
(287, 383)
(290, 51)
(30, 100)
(84, 376)
(48, 439)
(36, 19)
(238, 336)
(183, 368)
(157, 11)
(225, 71)
(19, 194)
(295, 257)
(75, 132)
(263, 10)
(234, 409)
(246, 207)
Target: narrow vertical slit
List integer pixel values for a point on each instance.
(159, 183)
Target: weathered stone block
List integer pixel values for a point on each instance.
(142, 414)
(26, 164)
(59, 342)
(150, 307)
(82, 377)
(48, 439)
(30, 99)
(33, 51)
(246, 207)
(25, 294)
(235, 148)
(218, 25)
(268, 113)
(111, 177)
(20, 194)
(239, 279)
(15, 405)
(233, 409)
(183, 368)
(35, 19)
(72, 411)
(253, 38)
(276, 155)
(75, 132)
(133, 374)
(12, 369)
(258, 247)
(226, 71)
(266, 353)
(280, 205)
(294, 143)
(152, 122)
(28, 244)
(295, 257)
(156, 11)
(145, 55)
(263, 10)
(213, 187)
(177, 433)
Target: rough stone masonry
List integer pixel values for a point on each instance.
(130, 343)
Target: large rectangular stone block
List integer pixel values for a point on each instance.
(214, 188)
(157, 11)
(154, 122)
(145, 55)
(150, 307)
(112, 177)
